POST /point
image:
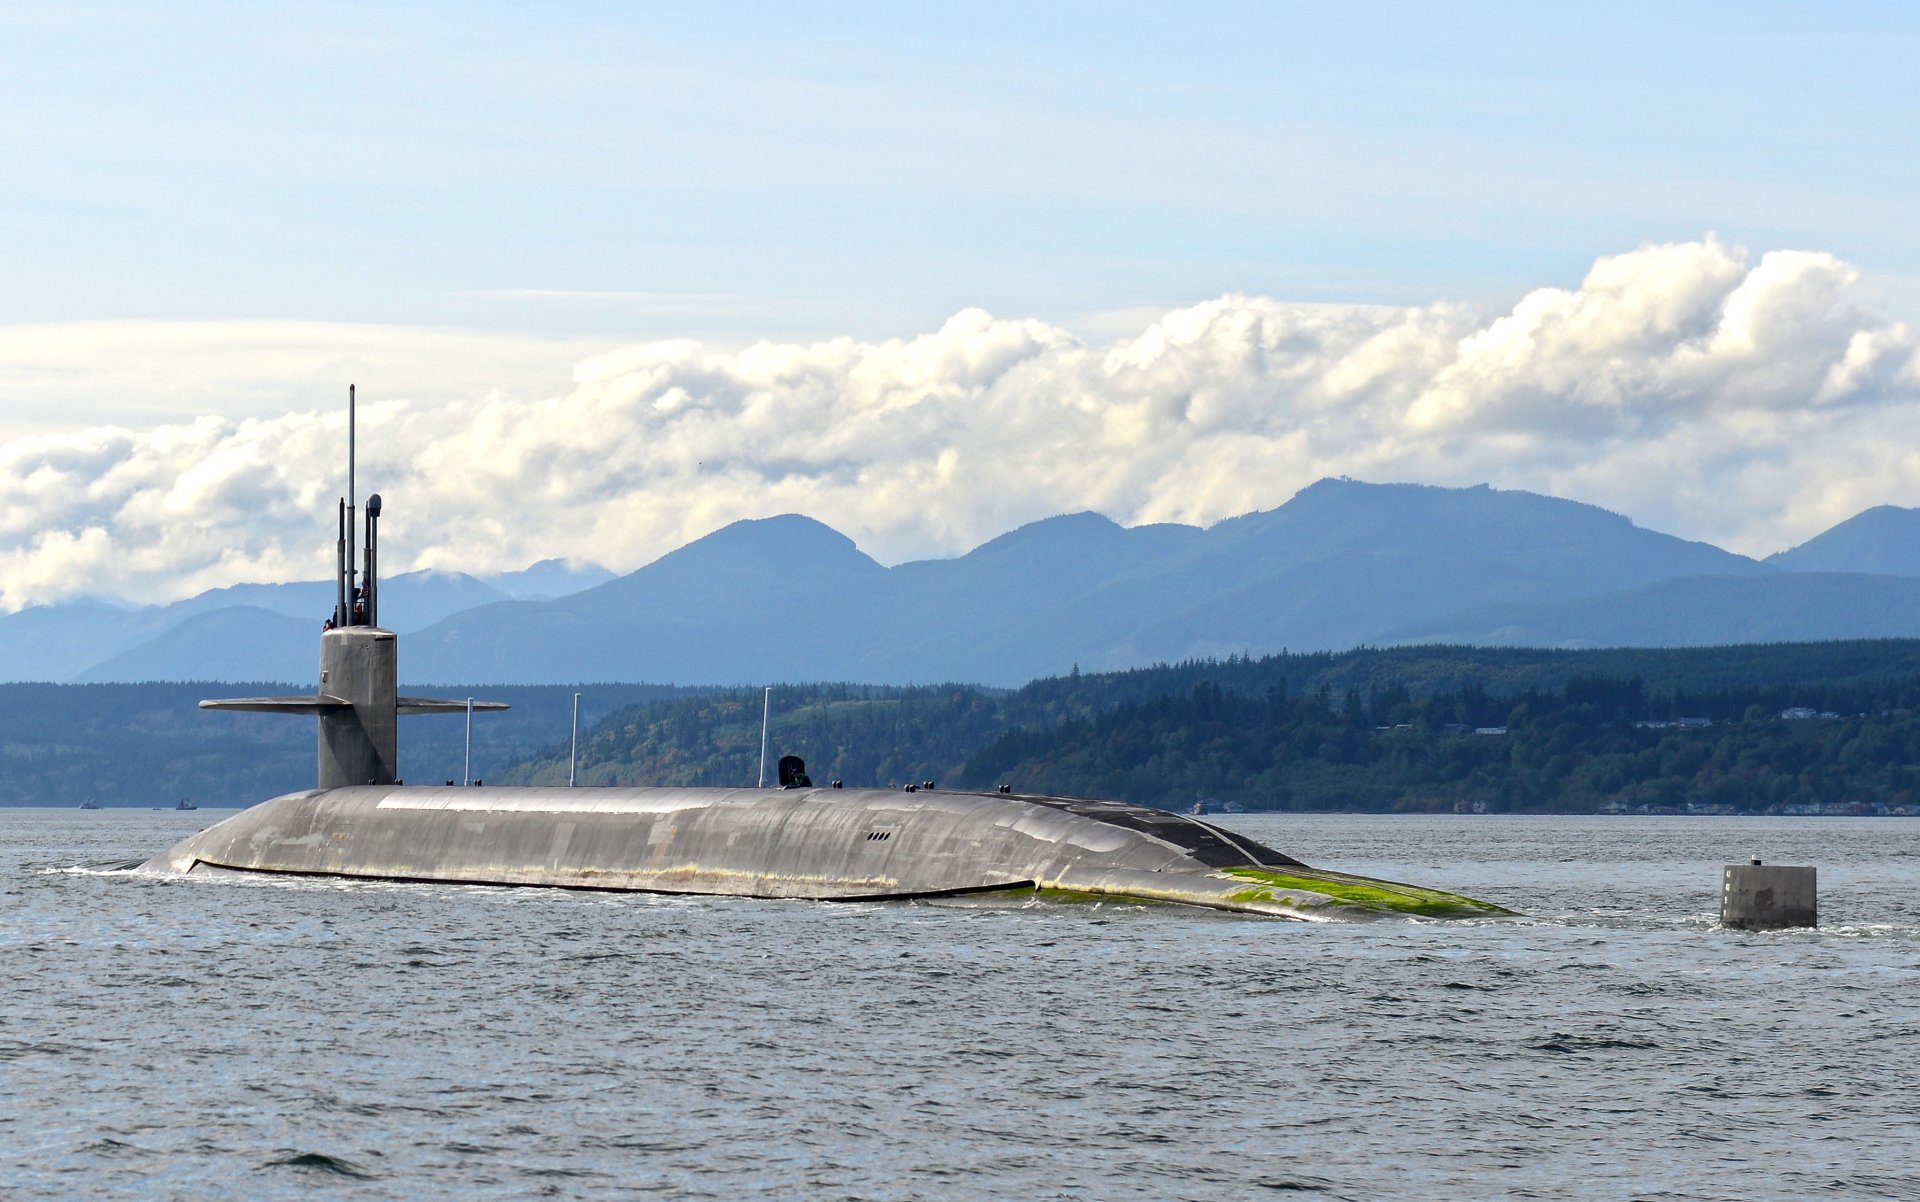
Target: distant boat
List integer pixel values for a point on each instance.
(89, 804)
(186, 805)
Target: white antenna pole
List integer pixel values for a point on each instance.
(573, 757)
(466, 776)
(766, 714)
(353, 550)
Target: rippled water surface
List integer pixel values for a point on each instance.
(190, 1038)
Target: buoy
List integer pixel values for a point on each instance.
(1765, 897)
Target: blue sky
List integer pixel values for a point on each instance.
(612, 275)
(809, 169)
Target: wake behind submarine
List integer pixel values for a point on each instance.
(792, 842)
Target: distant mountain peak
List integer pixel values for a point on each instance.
(1348, 489)
(783, 533)
(787, 544)
(549, 579)
(1065, 526)
(1884, 540)
(1340, 505)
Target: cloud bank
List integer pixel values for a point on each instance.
(1750, 402)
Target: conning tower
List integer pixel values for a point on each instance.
(357, 701)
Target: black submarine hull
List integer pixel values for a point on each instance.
(825, 844)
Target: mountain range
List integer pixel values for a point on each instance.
(247, 631)
(1344, 563)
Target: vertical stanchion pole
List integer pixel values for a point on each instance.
(573, 756)
(466, 774)
(766, 713)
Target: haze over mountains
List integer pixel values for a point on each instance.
(246, 632)
(1343, 563)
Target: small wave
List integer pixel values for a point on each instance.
(1297, 1185)
(555, 1171)
(21, 1049)
(1573, 1044)
(106, 1146)
(320, 1162)
(1866, 930)
(108, 868)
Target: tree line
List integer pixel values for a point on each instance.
(1372, 729)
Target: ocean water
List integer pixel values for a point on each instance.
(269, 1039)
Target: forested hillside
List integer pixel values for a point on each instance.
(1361, 729)
(1596, 744)
(1405, 728)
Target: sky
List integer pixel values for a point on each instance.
(609, 276)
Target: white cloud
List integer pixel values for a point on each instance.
(1752, 403)
(56, 375)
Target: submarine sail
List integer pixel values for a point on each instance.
(794, 842)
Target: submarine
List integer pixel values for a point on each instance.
(794, 841)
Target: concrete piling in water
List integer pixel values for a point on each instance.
(1765, 897)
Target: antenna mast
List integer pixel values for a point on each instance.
(353, 555)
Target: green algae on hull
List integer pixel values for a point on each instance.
(1085, 897)
(1273, 887)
